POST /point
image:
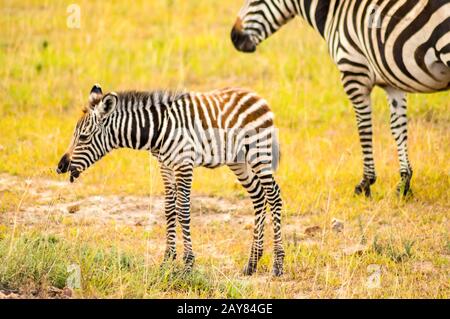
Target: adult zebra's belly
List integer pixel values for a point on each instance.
(419, 71)
(413, 48)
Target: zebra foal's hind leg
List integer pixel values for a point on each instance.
(275, 202)
(273, 197)
(254, 188)
(170, 189)
(399, 130)
(183, 178)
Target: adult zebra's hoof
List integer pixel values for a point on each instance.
(364, 187)
(249, 269)
(404, 187)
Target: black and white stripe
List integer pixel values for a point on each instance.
(232, 127)
(402, 46)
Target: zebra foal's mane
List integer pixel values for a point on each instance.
(156, 97)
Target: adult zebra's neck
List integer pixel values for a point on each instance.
(318, 13)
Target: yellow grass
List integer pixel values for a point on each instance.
(46, 72)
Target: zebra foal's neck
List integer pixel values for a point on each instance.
(138, 119)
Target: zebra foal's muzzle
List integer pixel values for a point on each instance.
(64, 167)
(242, 40)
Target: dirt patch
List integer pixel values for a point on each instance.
(50, 201)
(51, 292)
(47, 202)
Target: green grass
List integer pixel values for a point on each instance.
(46, 73)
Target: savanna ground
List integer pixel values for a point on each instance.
(110, 222)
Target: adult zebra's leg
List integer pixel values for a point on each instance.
(360, 98)
(170, 189)
(399, 130)
(273, 197)
(183, 178)
(254, 188)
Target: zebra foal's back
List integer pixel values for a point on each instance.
(220, 127)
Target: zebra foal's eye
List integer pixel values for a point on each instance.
(83, 137)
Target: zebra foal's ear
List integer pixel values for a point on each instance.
(107, 105)
(95, 96)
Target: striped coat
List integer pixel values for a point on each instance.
(400, 45)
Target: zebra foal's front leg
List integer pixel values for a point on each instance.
(183, 177)
(170, 190)
(399, 130)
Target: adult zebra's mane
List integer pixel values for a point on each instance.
(152, 98)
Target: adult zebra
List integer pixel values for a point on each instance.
(402, 46)
(232, 127)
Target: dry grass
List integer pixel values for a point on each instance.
(46, 72)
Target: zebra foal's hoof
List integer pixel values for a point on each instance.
(187, 269)
(169, 257)
(277, 270)
(278, 263)
(188, 263)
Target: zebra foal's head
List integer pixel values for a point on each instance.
(257, 20)
(89, 142)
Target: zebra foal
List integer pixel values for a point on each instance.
(232, 127)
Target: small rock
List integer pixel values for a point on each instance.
(139, 223)
(67, 292)
(73, 209)
(311, 231)
(337, 225)
(355, 250)
(248, 226)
